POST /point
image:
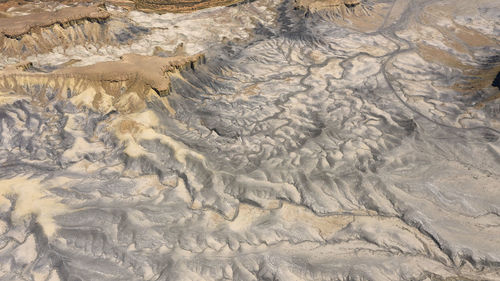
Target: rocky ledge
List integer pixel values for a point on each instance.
(179, 6)
(332, 7)
(100, 86)
(16, 27)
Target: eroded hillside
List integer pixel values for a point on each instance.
(264, 140)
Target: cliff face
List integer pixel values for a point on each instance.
(18, 26)
(180, 6)
(21, 36)
(330, 7)
(101, 86)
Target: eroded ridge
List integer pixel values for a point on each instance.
(40, 32)
(333, 8)
(182, 6)
(296, 148)
(100, 86)
(16, 27)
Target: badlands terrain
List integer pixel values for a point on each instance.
(250, 140)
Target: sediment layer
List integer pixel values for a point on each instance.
(17, 26)
(329, 7)
(181, 6)
(21, 36)
(142, 75)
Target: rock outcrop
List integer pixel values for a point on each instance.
(329, 7)
(100, 86)
(180, 6)
(37, 33)
(18, 26)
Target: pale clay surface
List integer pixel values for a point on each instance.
(301, 147)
